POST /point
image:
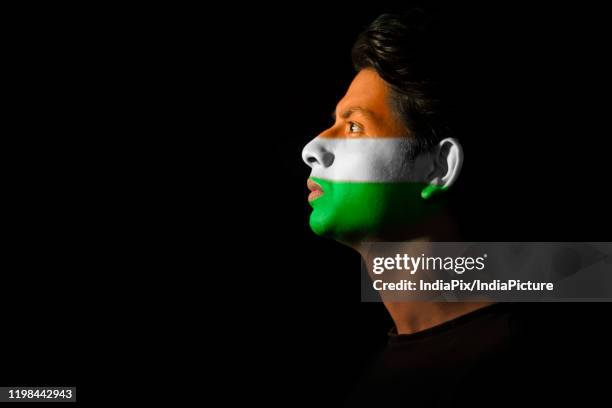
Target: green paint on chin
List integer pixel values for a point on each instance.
(356, 210)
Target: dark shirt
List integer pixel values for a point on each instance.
(500, 355)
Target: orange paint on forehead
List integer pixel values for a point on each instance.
(366, 102)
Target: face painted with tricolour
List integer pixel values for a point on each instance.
(363, 183)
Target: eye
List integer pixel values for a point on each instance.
(354, 128)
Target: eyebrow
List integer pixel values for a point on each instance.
(348, 112)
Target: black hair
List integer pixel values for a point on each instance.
(405, 52)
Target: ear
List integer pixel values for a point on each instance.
(447, 159)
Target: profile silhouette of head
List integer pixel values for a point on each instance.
(376, 169)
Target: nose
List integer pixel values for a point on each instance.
(316, 154)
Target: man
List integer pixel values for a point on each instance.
(377, 171)
(380, 173)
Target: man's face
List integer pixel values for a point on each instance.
(362, 181)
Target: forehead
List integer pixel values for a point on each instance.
(368, 90)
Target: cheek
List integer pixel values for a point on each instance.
(385, 163)
(367, 160)
(368, 164)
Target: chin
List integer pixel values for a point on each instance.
(319, 224)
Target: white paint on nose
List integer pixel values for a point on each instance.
(315, 154)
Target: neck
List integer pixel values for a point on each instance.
(415, 316)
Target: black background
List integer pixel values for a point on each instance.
(158, 203)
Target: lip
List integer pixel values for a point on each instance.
(315, 190)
